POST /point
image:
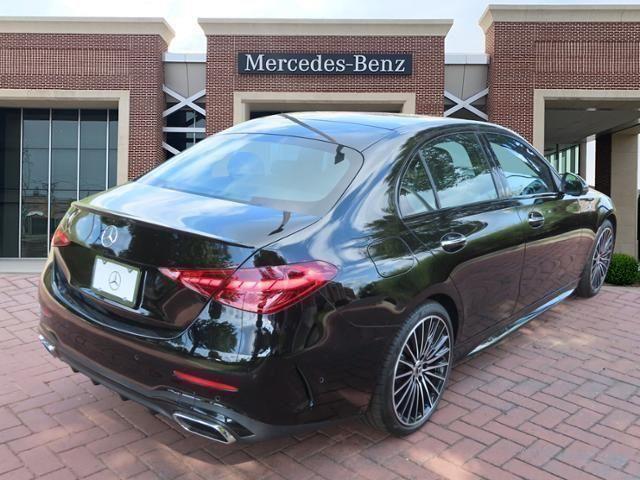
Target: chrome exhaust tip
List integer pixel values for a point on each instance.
(51, 348)
(212, 431)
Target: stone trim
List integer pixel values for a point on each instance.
(242, 101)
(558, 13)
(312, 27)
(89, 25)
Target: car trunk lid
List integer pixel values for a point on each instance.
(143, 228)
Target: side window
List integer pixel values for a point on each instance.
(525, 173)
(415, 194)
(459, 170)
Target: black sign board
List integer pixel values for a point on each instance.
(325, 63)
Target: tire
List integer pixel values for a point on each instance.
(417, 392)
(597, 266)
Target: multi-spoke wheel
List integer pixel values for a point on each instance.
(596, 270)
(601, 258)
(415, 372)
(421, 370)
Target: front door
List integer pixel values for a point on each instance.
(556, 248)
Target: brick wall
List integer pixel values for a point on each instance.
(526, 56)
(427, 80)
(96, 62)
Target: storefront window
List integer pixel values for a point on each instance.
(64, 163)
(35, 180)
(113, 147)
(185, 127)
(48, 159)
(9, 181)
(181, 140)
(479, 107)
(565, 159)
(93, 148)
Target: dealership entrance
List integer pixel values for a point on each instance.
(565, 118)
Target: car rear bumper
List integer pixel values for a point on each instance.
(173, 404)
(142, 373)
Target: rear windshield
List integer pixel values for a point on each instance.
(287, 173)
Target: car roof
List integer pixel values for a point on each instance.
(357, 130)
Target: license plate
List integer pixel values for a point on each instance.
(115, 281)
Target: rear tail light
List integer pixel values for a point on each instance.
(258, 290)
(205, 282)
(60, 239)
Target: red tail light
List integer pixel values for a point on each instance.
(60, 239)
(205, 282)
(259, 290)
(203, 382)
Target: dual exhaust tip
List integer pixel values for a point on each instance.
(50, 347)
(211, 430)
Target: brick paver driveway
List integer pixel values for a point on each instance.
(560, 398)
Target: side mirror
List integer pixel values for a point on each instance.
(573, 184)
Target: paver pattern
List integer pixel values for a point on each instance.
(558, 399)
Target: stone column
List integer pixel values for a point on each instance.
(582, 159)
(624, 189)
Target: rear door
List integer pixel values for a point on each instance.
(555, 249)
(450, 200)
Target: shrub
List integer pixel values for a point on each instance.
(623, 270)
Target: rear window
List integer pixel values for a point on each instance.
(287, 173)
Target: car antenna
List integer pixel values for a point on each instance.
(339, 153)
(309, 127)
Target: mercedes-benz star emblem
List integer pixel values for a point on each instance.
(109, 236)
(115, 280)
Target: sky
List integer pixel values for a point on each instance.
(464, 37)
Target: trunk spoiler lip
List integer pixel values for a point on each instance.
(112, 213)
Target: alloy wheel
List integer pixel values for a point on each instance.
(601, 258)
(421, 370)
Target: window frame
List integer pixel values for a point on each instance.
(415, 156)
(536, 159)
(497, 181)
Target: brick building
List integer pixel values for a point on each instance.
(576, 69)
(89, 103)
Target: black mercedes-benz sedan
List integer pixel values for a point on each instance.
(305, 267)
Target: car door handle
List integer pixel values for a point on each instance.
(452, 242)
(536, 219)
